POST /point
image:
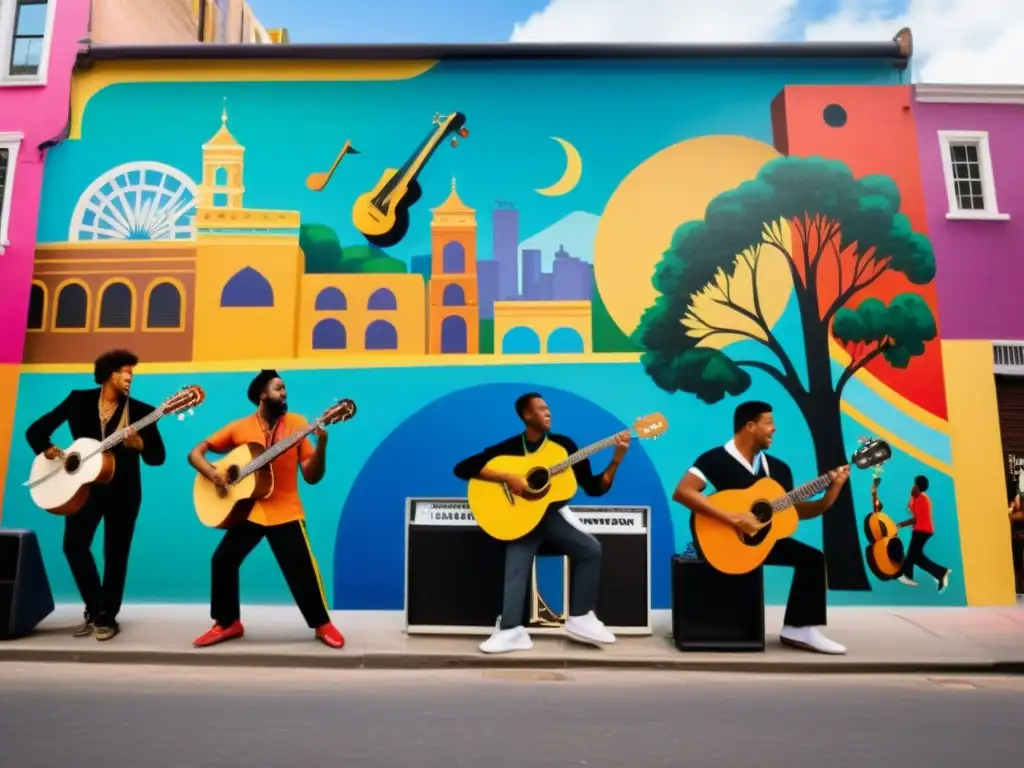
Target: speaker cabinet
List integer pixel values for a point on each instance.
(25, 595)
(712, 611)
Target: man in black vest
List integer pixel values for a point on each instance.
(739, 464)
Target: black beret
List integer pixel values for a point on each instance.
(257, 385)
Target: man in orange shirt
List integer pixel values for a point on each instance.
(920, 507)
(279, 518)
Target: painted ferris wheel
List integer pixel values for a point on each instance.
(136, 201)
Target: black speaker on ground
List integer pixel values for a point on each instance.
(712, 611)
(25, 595)
(455, 577)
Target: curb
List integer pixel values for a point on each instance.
(396, 661)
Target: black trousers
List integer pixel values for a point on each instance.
(102, 598)
(290, 545)
(556, 535)
(807, 603)
(916, 557)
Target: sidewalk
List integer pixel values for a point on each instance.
(879, 640)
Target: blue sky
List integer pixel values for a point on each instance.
(359, 21)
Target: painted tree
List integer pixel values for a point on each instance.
(843, 234)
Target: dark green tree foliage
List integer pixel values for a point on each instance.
(324, 254)
(832, 215)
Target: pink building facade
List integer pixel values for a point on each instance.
(38, 45)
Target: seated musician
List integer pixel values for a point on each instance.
(558, 527)
(739, 464)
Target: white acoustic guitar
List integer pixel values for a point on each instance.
(62, 485)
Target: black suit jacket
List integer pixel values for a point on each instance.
(80, 409)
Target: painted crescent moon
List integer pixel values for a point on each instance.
(573, 171)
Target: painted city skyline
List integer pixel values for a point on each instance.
(535, 268)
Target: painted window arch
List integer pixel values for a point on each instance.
(247, 288)
(380, 334)
(382, 299)
(36, 307)
(163, 306)
(454, 335)
(220, 176)
(117, 303)
(72, 307)
(565, 341)
(331, 298)
(453, 258)
(453, 296)
(329, 334)
(520, 341)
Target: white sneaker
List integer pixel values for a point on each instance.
(944, 581)
(505, 640)
(810, 639)
(588, 629)
(908, 581)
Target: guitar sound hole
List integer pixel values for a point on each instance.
(72, 463)
(232, 474)
(536, 479)
(762, 510)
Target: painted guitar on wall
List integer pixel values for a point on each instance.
(249, 474)
(382, 214)
(884, 553)
(732, 552)
(63, 485)
(505, 516)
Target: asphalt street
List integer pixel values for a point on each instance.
(86, 715)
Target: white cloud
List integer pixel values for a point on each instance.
(655, 21)
(956, 41)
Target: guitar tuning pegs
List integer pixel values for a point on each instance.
(181, 417)
(191, 412)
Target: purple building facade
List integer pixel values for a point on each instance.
(971, 147)
(505, 251)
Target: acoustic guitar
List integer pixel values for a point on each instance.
(884, 553)
(733, 552)
(62, 485)
(382, 214)
(249, 474)
(507, 517)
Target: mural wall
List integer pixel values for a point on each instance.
(392, 233)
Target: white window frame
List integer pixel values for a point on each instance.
(6, 41)
(12, 143)
(988, 184)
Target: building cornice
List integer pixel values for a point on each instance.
(935, 93)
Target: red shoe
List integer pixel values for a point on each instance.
(219, 634)
(329, 635)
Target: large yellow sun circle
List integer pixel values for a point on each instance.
(667, 189)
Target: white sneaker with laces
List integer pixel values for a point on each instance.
(505, 640)
(588, 629)
(810, 639)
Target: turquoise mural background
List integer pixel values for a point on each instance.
(171, 554)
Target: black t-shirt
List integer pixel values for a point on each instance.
(725, 472)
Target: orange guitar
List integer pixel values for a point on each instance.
(884, 553)
(729, 551)
(382, 214)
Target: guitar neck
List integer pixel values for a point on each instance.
(804, 492)
(582, 454)
(121, 434)
(412, 167)
(277, 449)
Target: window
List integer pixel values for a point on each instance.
(26, 27)
(9, 144)
(970, 184)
